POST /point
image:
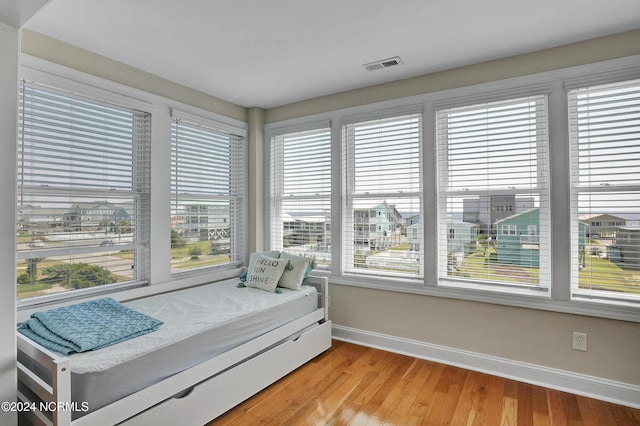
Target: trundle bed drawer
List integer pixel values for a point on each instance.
(218, 394)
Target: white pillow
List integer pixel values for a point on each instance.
(292, 277)
(252, 261)
(266, 272)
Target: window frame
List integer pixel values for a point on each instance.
(237, 187)
(554, 84)
(274, 182)
(509, 229)
(348, 194)
(532, 104)
(82, 90)
(590, 188)
(160, 107)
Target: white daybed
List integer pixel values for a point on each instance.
(197, 394)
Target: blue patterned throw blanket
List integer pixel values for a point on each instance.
(87, 326)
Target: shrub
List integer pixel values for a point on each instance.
(195, 253)
(77, 275)
(177, 240)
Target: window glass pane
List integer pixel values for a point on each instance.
(605, 135)
(206, 208)
(301, 194)
(382, 218)
(83, 192)
(493, 192)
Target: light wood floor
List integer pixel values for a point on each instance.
(355, 385)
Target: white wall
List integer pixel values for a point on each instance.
(10, 53)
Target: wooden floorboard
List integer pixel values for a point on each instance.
(356, 385)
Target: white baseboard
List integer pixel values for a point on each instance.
(567, 381)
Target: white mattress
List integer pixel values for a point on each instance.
(199, 323)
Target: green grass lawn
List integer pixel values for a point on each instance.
(32, 290)
(481, 265)
(403, 246)
(597, 275)
(180, 252)
(182, 259)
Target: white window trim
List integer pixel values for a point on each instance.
(271, 132)
(506, 229)
(80, 90)
(238, 253)
(161, 280)
(577, 292)
(553, 83)
(340, 123)
(210, 120)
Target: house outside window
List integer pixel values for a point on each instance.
(83, 193)
(207, 194)
(381, 174)
(520, 245)
(490, 170)
(492, 163)
(300, 189)
(604, 124)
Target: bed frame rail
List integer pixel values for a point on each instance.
(322, 285)
(48, 397)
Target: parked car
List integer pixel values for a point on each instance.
(220, 247)
(36, 243)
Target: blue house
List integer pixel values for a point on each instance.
(461, 236)
(378, 227)
(625, 247)
(518, 239)
(413, 227)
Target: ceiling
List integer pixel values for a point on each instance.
(270, 53)
(16, 13)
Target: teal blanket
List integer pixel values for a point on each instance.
(87, 326)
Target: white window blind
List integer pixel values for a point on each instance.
(382, 214)
(604, 124)
(493, 191)
(83, 193)
(207, 193)
(301, 194)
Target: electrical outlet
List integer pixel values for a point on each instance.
(580, 341)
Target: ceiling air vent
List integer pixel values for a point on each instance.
(384, 63)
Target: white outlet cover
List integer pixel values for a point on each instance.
(580, 341)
